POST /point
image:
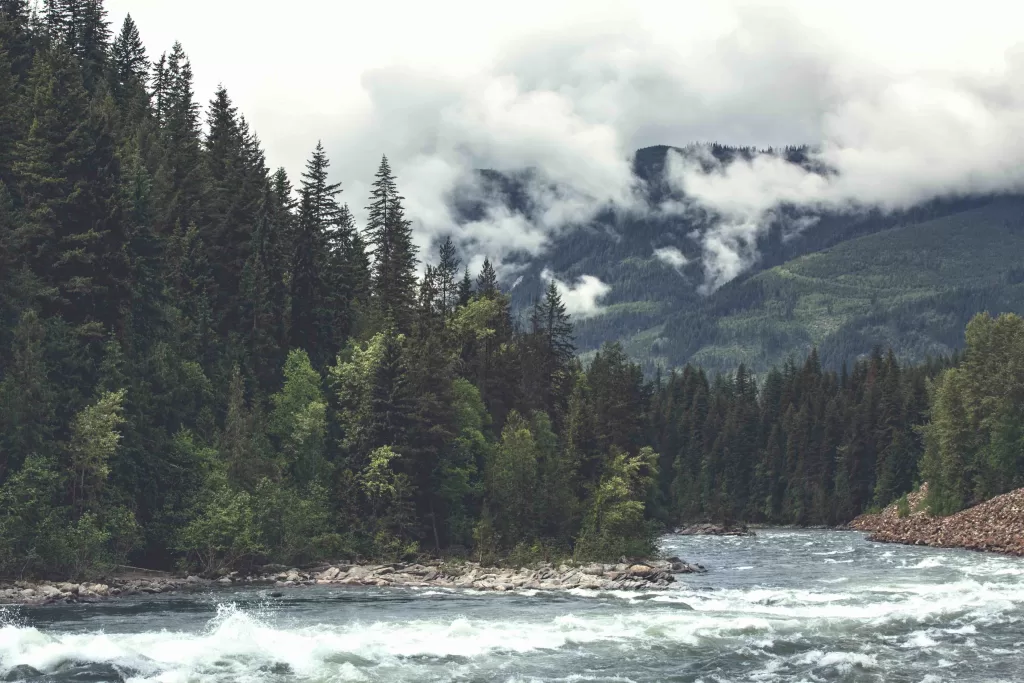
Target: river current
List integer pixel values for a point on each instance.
(781, 606)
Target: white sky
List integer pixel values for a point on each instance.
(573, 87)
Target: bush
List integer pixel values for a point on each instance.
(903, 506)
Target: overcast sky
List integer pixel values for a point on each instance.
(906, 99)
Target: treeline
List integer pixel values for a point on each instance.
(203, 364)
(807, 446)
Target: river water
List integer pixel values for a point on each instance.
(782, 606)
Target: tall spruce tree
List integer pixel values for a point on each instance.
(73, 234)
(129, 63)
(394, 255)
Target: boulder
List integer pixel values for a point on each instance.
(22, 672)
(329, 574)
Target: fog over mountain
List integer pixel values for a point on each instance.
(928, 103)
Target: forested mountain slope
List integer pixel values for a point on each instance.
(908, 279)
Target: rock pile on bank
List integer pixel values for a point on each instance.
(997, 525)
(714, 530)
(637, 575)
(42, 593)
(621, 576)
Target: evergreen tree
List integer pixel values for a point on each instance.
(487, 281)
(265, 295)
(447, 271)
(129, 63)
(73, 235)
(394, 255)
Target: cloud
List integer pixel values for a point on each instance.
(905, 101)
(582, 299)
(671, 256)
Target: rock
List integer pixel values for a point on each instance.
(48, 591)
(714, 530)
(22, 672)
(99, 588)
(329, 574)
(225, 581)
(193, 579)
(640, 570)
(28, 592)
(594, 569)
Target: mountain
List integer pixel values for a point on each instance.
(909, 279)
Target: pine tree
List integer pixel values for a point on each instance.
(312, 316)
(465, 292)
(74, 235)
(265, 296)
(81, 27)
(447, 271)
(551, 342)
(235, 179)
(17, 38)
(487, 281)
(130, 65)
(179, 181)
(390, 239)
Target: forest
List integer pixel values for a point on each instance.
(208, 365)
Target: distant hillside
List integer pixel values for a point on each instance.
(908, 279)
(912, 288)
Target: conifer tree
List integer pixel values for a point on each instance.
(73, 235)
(447, 271)
(313, 308)
(265, 295)
(465, 291)
(179, 181)
(394, 255)
(487, 281)
(129, 63)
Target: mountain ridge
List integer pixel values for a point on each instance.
(657, 311)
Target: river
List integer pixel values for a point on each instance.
(782, 606)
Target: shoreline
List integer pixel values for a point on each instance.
(637, 575)
(994, 526)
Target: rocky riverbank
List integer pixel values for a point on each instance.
(638, 575)
(997, 525)
(714, 530)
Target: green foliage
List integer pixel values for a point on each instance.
(299, 420)
(512, 483)
(616, 524)
(223, 532)
(975, 441)
(903, 506)
(94, 439)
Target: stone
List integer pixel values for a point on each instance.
(329, 574)
(22, 672)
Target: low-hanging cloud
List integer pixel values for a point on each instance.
(891, 142)
(672, 257)
(903, 101)
(582, 299)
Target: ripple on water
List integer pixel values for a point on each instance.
(779, 614)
